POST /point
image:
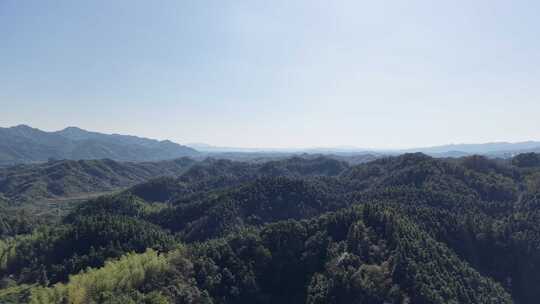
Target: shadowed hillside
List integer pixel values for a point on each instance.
(67, 178)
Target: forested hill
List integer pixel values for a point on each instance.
(406, 229)
(63, 179)
(23, 144)
(68, 178)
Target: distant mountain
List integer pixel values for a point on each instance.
(495, 148)
(24, 144)
(220, 149)
(347, 150)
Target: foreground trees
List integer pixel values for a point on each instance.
(360, 255)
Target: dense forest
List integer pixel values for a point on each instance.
(67, 178)
(404, 229)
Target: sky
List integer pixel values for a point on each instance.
(280, 73)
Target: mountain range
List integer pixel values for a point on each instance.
(492, 149)
(24, 144)
(496, 149)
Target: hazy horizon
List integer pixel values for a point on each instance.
(345, 148)
(280, 74)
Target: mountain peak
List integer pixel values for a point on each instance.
(76, 133)
(22, 127)
(72, 128)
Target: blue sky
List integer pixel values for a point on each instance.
(380, 74)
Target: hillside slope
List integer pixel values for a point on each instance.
(68, 178)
